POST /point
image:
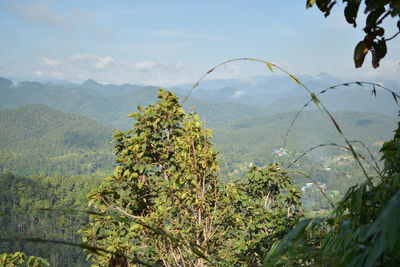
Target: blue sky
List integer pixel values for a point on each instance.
(172, 42)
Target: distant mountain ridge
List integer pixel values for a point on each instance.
(238, 99)
(111, 109)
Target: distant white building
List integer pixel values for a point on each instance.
(280, 151)
(313, 186)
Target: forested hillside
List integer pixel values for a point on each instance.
(35, 139)
(23, 200)
(248, 141)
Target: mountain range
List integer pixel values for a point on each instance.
(46, 124)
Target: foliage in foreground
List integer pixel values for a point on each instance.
(20, 259)
(377, 13)
(364, 229)
(166, 204)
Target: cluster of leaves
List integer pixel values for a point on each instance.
(165, 203)
(364, 229)
(374, 40)
(20, 259)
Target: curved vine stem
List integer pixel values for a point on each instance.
(314, 99)
(394, 94)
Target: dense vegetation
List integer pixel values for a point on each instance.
(167, 177)
(24, 213)
(35, 139)
(364, 228)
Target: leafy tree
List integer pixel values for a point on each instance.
(165, 202)
(377, 12)
(20, 259)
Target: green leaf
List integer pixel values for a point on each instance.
(195, 85)
(314, 99)
(269, 65)
(360, 52)
(373, 92)
(351, 10)
(380, 48)
(134, 115)
(395, 98)
(310, 3)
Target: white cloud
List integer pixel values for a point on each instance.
(388, 70)
(49, 62)
(238, 94)
(165, 82)
(97, 61)
(148, 66)
(41, 13)
(52, 74)
(71, 20)
(55, 74)
(145, 66)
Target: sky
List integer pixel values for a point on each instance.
(166, 43)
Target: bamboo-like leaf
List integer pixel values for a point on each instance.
(373, 90)
(294, 79)
(211, 70)
(269, 65)
(395, 98)
(315, 99)
(195, 85)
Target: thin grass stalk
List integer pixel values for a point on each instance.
(370, 154)
(373, 92)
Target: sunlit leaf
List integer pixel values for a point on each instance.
(269, 65)
(360, 52)
(310, 3)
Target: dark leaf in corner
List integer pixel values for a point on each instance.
(360, 52)
(350, 12)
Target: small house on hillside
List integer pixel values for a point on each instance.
(280, 151)
(313, 186)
